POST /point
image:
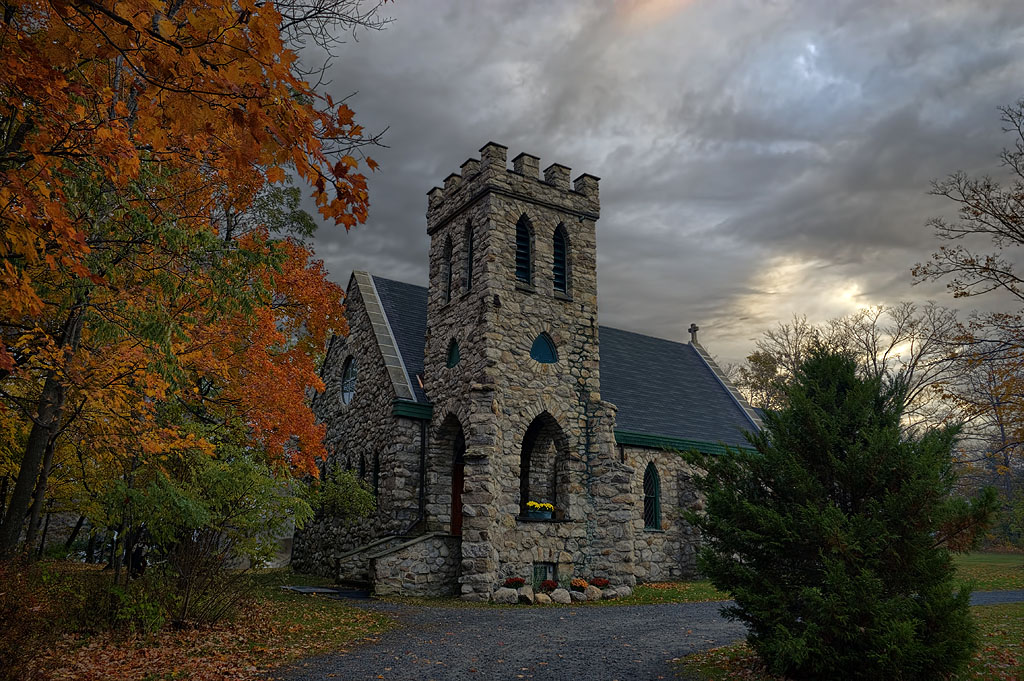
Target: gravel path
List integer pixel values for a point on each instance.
(997, 597)
(616, 643)
(545, 644)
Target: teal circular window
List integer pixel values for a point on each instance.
(544, 350)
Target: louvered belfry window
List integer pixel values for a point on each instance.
(523, 255)
(561, 248)
(652, 498)
(467, 279)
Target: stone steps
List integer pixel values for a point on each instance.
(354, 567)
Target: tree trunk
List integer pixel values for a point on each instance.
(3, 496)
(44, 429)
(42, 540)
(74, 533)
(36, 512)
(90, 548)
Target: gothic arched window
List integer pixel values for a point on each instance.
(652, 498)
(348, 380)
(544, 467)
(453, 354)
(524, 248)
(544, 350)
(467, 279)
(561, 260)
(446, 270)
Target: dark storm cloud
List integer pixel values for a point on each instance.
(758, 159)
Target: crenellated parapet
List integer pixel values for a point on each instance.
(523, 181)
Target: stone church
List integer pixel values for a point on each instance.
(504, 432)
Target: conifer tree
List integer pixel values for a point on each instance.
(834, 534)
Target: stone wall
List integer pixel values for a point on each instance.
(669, 553)
(425, 566)
(365, 430)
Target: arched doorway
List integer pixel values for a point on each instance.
(447, 477)
(544, 467)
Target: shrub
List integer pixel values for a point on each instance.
(578, 584)
(514, 582)
(27, 621)
(599, 582)
(832, 536)
(548, 585)
(91, 602)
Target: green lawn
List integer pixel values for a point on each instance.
(992, 571)
(272, 628)
(1000, 657)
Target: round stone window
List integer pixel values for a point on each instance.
(348, 380)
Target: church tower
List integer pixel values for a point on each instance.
(512, 369)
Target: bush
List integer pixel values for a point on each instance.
(548, 585)
(832, 536)
(578, 584)
(27, 621)
(91, 602)
(514, 582)
(599, 582)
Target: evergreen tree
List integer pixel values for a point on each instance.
(834, 536)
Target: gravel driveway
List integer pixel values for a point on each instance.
(623, 643)
(485, 644)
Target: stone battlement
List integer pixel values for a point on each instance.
(523, 181)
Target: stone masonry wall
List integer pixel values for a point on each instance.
(366, 430)
(669, 553)
(425, 566)
(497, 390)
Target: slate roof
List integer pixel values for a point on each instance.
(661, 388)
(406, 308)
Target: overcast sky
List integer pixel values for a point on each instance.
(757, 158)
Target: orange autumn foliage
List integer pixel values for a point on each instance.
(129, 131)
(204, 88)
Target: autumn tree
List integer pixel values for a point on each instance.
(136, 142)
(917, 342)
(981, 251)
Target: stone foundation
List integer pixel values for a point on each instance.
(425, 566)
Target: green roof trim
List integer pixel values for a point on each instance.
(413, 410)
(626, 437)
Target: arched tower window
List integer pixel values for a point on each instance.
(446, 271)
(348, 380)
(544, 466)
(652, 498)
(467, 278)
(561, 262)
(544, 350)
(524, 248)
(453, 354)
